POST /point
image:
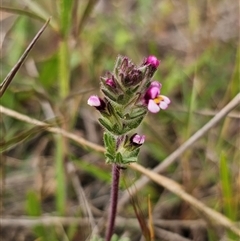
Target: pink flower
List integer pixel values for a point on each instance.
(137, 139)
(96, 102)
(154, 101)
(111, 83)
(153, 61)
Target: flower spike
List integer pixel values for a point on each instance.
(129, 93)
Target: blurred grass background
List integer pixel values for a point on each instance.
(46, 175)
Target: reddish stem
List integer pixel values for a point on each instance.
(113, 202)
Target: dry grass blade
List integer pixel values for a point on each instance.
(174, 155)
(13, 221)
(19, 138)
(210, 214)
(145, 229)
(55, 130)
(46, 221)
(6, 82)
(22, 12)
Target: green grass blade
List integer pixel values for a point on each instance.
(63, 69)
(227, 190)
(33, 208)
(87, 11)
(93, 170)
(65, 16)
(226, 185)
(22, 12)
(41, 12)
(60, 176)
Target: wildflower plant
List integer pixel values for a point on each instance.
(128, 94)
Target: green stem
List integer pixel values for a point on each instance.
(60, 175)
(64, 76)
(63, 68)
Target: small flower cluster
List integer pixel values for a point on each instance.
(129, 93)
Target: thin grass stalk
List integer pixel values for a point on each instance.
(60, 175)
(64, 89)
(229, 207)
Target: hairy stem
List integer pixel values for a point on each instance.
(114, 200)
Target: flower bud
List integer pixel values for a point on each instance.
(111, 83)
(137, 139)
(152, 61)
(96, 102)
(129, 74)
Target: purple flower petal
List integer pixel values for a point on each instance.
(152, 93)
(156, 84)
(137, 139)
(163, 105)
(153, 107)
(153, 61)
(166, 99)
(164, 102)
(97, 102)
(111, 83)
(94, 100)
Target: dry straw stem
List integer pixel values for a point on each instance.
(55, 130)
(165, 182)
(11, 221)
(178, 152)
(174, 187)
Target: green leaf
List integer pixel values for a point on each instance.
(105, 125)
(117, 65)
(108, 95)
(119, 114)
(110, 145)
(109, 156)
(121, 98)
(119, 158)
(106, 139)
(116, 131)
(129, 160)
(111, 149)
(111, 140)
